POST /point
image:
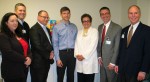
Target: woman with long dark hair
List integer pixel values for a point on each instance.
(15, 50)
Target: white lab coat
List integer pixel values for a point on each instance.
(86, 46)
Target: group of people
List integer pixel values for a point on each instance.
(123, 54)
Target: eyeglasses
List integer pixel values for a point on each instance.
(86, 21)
(45, 17)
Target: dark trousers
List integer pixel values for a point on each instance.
(68, 60)
(125, 78)
(85, 77)
(39, 74)
(14, 80)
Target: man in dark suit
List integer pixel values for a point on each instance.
(134, 55)
(109, 46)
(23, 27)
(41, 47)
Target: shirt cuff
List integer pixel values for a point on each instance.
(112, 64)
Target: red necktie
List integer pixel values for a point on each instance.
(103, 33)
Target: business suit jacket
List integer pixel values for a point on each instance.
(40, 47)
(23, 31)
(110, 46)
(135, 57)
(12, 66)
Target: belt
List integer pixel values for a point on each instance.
(68, 50)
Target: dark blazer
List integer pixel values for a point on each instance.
(40, 47)
(12, 66)
(20, 31)
(135, 57)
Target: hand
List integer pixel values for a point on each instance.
(51, 55)
(141, 76)
(59, 63)
(111, 67)
(100, 61)
(116, 69)
(28, 61)
(80, 57)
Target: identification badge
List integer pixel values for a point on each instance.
(122, 36)
(23, 31)
(108, 42)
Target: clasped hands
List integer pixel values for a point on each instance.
(80, 57)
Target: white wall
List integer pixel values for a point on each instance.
(78, 7)
(124, 11)
(145, 9)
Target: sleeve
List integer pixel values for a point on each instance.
(37, 45)
(29, 53)
(145, 67)
(76, 51)
(99, 43)
(116, 46)
(8, 52)
(55, 43)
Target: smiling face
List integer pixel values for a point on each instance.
(105, 15)
(43, 18)
(65, 15)
(86, 22)
(21, 12)
(12, 23)
(134, 14)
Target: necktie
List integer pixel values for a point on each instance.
(103, 33)
(47, 34)
(129, 36)
(103, 37)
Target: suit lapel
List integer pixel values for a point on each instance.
(109, 30)
(49, 35)
(100, 33)
(42, 32)
(108, 33)
(136, 33)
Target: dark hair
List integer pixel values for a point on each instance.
(39, 13)
(64, 9)
(86, 15)
(4, 27)
(104, 8)
(19, 4)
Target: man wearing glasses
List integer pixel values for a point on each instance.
(108, 45)
(41, 47)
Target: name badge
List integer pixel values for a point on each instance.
(122, 36)
(108, 41)
(23, 31)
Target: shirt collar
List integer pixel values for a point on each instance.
(107, 24)
(20, 21)
(65, 22)
(135, 25)
(42, 25)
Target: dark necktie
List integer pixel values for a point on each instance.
(129, 36)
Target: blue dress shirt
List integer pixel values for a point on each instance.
(63, 37)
